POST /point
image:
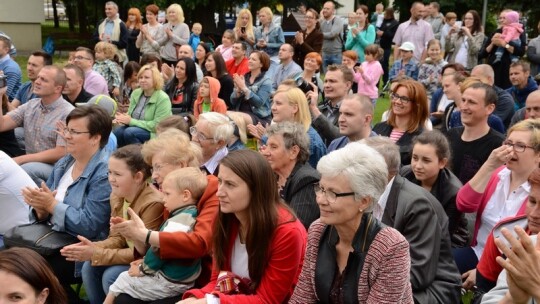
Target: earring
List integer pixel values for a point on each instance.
(360, 210)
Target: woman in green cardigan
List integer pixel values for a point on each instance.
(148, 105)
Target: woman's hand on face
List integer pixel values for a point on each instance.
(60, 127)
(500, 156)
(42, 199)
(132, 229)
(79, 252)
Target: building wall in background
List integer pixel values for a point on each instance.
(21, 20)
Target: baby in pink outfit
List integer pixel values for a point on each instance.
(511, 30)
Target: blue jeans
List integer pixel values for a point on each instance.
(98, 279)
(131, 135)
(39, 172)
(329, 59)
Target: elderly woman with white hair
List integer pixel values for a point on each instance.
(287, 152)
(212, 132)
(350, 256)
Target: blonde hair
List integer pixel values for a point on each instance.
(107, 48)
(532, 125)
(267, 11)
(249, 26)
(179, 11)
(157, 79)
(240, 123)
(175, 146)
(296, 97)
(190, 179)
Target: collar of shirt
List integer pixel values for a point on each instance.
(52, 106)
(378, 211)
(213, 162)
(504, 177)
(328, 105)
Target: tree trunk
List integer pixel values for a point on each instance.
(83, 22)
(55, 14)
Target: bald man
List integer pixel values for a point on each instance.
(531, 109)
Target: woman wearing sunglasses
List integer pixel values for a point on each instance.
(406, 117)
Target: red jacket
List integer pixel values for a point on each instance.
(240, 69)
(216, 104)
(198, 243)
(283, 268)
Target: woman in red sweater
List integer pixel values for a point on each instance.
(258, 243)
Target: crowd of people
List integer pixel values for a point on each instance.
(192, 173)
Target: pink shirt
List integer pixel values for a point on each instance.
(418, 32)
(226, 52)
(369, 79)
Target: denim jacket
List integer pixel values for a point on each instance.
(274, 39)
(86, 209)
(258, 97)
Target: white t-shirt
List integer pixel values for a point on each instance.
(239, 259)
(64, 183)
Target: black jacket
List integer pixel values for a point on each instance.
(299, 193)
(389, 28)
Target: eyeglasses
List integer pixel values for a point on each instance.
(330, 196)
(310, 17)
(403, 99)
(81, 58)
(73, 132)
(518, 147)
(157, 168)
(201, 137)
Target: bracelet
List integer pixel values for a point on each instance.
(147, 241)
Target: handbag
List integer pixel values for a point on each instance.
(38, 236)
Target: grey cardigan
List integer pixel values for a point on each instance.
(453, 44)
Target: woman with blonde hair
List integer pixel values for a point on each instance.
(148, 105)
(243, 29)
(133, 25)
(290, 104)
(177, 33)
(239, 138)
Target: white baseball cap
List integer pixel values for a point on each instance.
(407, 46)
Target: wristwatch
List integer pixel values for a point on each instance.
(507, 46)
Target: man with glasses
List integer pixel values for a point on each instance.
(415, 213)
(212, 132)
(94, 83)
(473, 142)
(112, 29)
(38, 117)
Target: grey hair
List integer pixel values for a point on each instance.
(221, 126)
(365, 169)
(388, 149)
(112, 3)
(294, 134)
